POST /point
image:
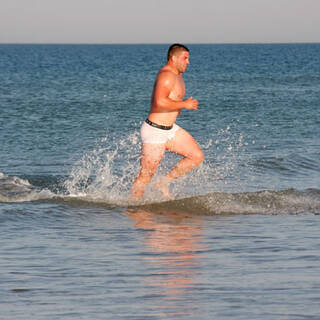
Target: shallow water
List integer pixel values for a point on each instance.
(241, 239)
(76, 261)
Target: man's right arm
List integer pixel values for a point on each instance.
(163, 87)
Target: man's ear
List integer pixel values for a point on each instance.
(174, 58)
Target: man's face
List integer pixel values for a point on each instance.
(182, 61)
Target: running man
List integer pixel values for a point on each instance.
(160, 133)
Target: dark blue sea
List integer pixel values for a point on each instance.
(240, 241)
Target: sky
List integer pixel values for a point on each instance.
(159, 21)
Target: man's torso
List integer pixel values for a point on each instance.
(168, 117)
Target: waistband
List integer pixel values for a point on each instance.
(159, 126)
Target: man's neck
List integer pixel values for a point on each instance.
(172, 68)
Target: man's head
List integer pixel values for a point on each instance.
(176, 48)
(178, 54)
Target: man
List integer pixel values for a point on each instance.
(160, 133)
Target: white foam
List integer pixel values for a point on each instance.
(15, 189)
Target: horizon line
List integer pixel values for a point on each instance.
(154, 43)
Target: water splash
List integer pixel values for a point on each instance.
(223, 157)
(106, 173)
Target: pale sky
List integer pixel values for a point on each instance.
(159, 21)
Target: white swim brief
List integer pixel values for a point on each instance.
(152, 133)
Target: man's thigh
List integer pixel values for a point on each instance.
(183, 144)
(151, 156)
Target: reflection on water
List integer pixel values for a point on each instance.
(173, 247)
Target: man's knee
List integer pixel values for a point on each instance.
(198, 157)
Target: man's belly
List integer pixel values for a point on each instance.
(164, 118)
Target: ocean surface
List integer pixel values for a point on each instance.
(241, 240)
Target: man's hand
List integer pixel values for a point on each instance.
(191, 104)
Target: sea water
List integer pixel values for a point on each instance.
(241, 240)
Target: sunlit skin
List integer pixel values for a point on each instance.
(166, 104)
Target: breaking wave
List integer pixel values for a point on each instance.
(15, 189)
(290, 201)
(261, 202)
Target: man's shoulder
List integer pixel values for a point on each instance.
(166, 74)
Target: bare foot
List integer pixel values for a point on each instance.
(163, 186)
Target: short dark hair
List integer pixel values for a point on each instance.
(174, 48)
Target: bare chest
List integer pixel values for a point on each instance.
(178, 91)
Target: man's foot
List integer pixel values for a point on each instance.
(163, 186)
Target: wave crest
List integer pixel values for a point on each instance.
(262, 202)
(15, 189)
